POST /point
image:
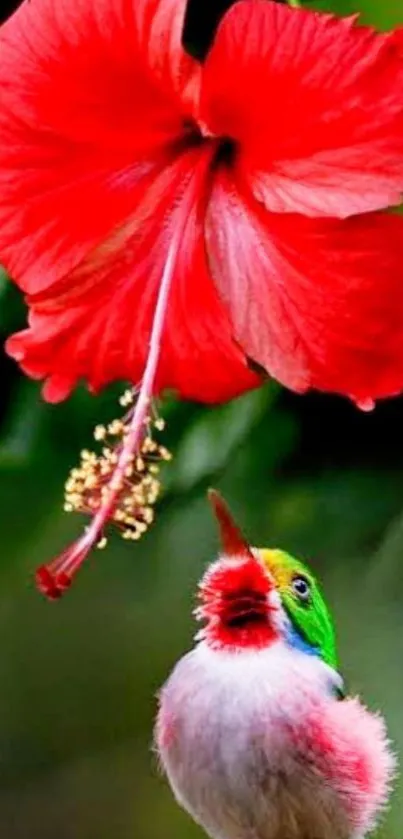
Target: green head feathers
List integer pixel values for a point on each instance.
(299, 591)
(310, 614)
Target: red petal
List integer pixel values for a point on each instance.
(319, 304)
(315, 103)
(96, 322)
(92, 96)
(398, 37)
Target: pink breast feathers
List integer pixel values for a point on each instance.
(350, 748)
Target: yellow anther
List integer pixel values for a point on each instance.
(100, 432)
(148, 515)
(116, 427)
(127, 398)
(133, 534)
(141, 527)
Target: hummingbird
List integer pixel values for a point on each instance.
(254, 730)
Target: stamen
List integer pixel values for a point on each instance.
(89, 484)
(112, 487)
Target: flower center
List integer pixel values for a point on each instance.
(198, 134)
(226, 151)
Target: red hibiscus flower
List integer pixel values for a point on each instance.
(170, 222)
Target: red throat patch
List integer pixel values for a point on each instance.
(234, 601)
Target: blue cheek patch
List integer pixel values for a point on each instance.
(297, 642)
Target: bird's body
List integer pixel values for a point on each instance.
(251, 730)
(235, 744)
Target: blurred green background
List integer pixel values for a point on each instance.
(78, 678)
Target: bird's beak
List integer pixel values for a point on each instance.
(235, 592)
(233, 542)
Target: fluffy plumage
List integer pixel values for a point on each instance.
(251, 732)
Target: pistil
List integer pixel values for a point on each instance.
(128, 462)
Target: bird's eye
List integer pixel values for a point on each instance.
(301, 588)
